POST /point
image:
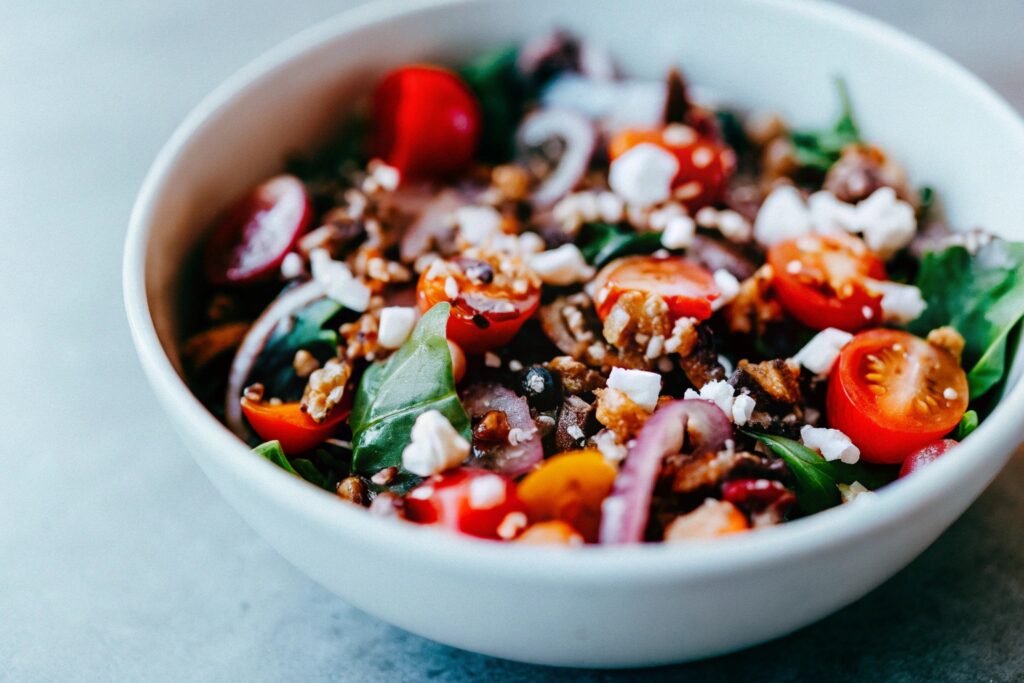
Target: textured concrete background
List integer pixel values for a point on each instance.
(118, 560)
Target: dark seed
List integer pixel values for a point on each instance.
(481, 322)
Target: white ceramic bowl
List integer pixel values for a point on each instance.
(595, 606)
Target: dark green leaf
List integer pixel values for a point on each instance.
(391, 395)
(982, 296)
(501, 92)
(818, 150)
(272, 451)
(311, 331)
(601, 243)
(308, 471)
(968, 423)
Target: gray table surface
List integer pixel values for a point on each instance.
(118, 560)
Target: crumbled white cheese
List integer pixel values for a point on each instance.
(720, 393)
(486, 491)
(643, 175)
(728, 286)
(742, 409)
(782, 216)
(855, 491)
(292, 266)
(610, 207)
(820, 354)
(887, 222)
(734, 226)
(478, 224)
(679, 232)
(451, 288)
(575, 432)
(562, 266)
(530, 243)
(831, 215)
(900, 303)
(338, 281)
(435, 447)
(608, 443)
(396, 323)
(518, 435)
(831, 443)
(387, 177)
(641, 386)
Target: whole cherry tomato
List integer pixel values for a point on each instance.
(687, 289)
(289, 424)
(926, 456)
(474, 502)
(257, 232)
(822, 281)
(491, 296)
(893, 393)
(705, 164)
(426, 122)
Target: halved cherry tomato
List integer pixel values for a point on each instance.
(289, 424)
(926, 456)
(705, 164)
(491, 297)
(821, 281)
(257, 232)
(474, 502)
(426, 122)
(893, 393)
(569, 487)
(687, 288)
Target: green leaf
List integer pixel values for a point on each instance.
(601, 243)
(309, 331)
(502, 94)
(308, 471)
(272, 451)
(392, 394)
(817, 478)
(818, 150)
(968, 423)
(980, 295)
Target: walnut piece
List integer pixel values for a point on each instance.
(576, 377)
(949, 339)
(325, 389)
(619, 413)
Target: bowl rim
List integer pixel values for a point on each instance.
(822, 532)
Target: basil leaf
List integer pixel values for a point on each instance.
(502, 94)
(817, 478)
(310, 331)
(982, 296)
(272, 451)
(392, 394)
(602, 243)
(968, 423)
(818, 150)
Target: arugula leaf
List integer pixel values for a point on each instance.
(817, 479)
(601, 243)
(982, 296)
(968, 423)
(305, 469)
(494, 79)
(392, 394)
(310, 331)
(818, 150)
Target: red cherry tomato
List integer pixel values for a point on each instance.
(686, 288)
(491, 298)
(474, 502)
(820, 281)
(287, 423)
(754, 491)
(705, 164)
(893, 393)
(426, 122)
(926, 456)
(254, 235)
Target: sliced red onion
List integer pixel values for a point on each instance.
(280, 309)
(511, 459)
(624, 513)
(434, 222)
(580, 138)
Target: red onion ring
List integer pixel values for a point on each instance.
(510, 459)
(580, 138)
(624, 513)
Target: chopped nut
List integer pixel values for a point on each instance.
(619, 413)
(860, 171)
(384, 476)
(493, 428)
(576, 377)
(304, 363)
(353, 489)
(633, 321)
(949, 339)
(325, 389)
(253, 392)
(754, 306)
(512, 181)
(683, 336)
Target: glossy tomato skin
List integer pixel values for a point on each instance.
(493, 298)
(886, 393)
(470, 501)
(811, 293)
(426, 122)
(687, 288)
(290, 425)
(926, 456)
(255, 234)
(705, 164)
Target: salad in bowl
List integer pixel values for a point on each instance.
(532, 299)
